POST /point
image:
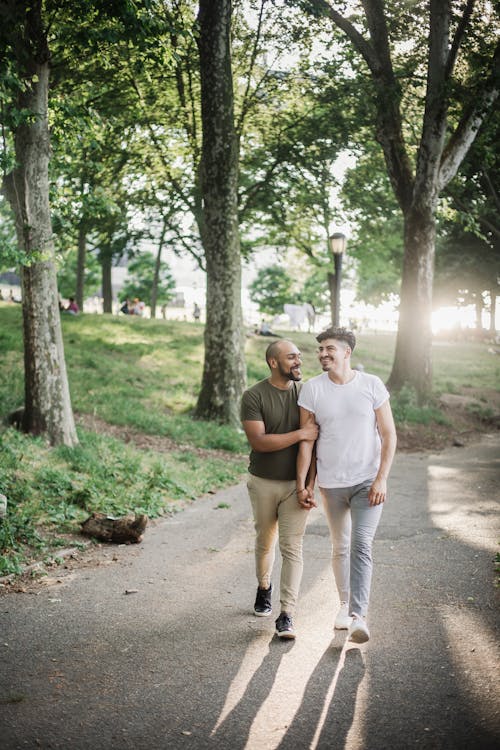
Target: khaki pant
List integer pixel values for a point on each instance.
(276, 511)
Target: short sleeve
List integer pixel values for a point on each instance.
(251, 407)
(380, 393)
(306, 398)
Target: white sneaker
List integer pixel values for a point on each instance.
(343, 619)
(358, 630)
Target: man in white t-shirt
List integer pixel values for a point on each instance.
(354, 454)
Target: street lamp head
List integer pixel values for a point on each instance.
(337, 243)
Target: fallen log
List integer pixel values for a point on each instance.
(128, 528)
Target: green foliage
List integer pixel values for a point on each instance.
(9, 256)
(315, 288)
(468, 247)
(377, 244)
(66, 274)
(274, 286)
(140, 282)
(406, 409)
(271, 289)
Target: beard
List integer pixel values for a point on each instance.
(293, 373)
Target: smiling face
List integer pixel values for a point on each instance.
(334, 355)
(286, 361)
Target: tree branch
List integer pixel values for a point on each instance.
(245, 105)
(436, 102)
(491, 189)
(457, 39)
(358, 41)
(467, 128)
(376, 54)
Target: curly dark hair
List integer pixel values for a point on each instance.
(339, 334)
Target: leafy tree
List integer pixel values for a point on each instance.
(271, 289)
(140, 282)
(274, 286)
(102, 150)
(296, 205)
(314, 289)
(67, 274)
(466, 267)
(377, 241)
(9, 255)
(429, 102)
(468, 255)
(25, 74)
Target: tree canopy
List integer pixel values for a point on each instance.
(129, 101)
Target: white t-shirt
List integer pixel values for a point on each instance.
(348, 446)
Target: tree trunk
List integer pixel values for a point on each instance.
(412, 360)
(80, 264)
(493, 311)
(47, 399)
(156, 277)
(224, 369)
(478, 304)
(107, 289)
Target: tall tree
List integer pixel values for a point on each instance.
(455, 101)
(47, 399)
(223, 370)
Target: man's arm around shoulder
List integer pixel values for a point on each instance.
(263, 442)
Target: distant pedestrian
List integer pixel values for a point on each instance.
(72, 307)
(354, 454)
(196, 312)
(138, 307)
(265, 329)
(270, 418)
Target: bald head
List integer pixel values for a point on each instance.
(284, 361)
(274, 349)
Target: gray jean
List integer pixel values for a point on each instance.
(353, 523)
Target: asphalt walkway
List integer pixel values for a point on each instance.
(181, 662)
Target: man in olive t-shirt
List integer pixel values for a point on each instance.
(270, 418)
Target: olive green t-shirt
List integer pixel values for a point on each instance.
(279, 411)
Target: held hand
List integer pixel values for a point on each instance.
(378, 491)
(306, 498)
(310, 431)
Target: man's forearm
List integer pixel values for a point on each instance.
(268, 443)
(304, 458)
(311, 474)
(388, 451)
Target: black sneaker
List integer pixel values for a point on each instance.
(262, 606)
(284, 626)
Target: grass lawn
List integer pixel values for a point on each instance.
(133, 385)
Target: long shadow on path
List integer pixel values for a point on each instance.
(326, 713)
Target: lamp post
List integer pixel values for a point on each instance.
(337, 246)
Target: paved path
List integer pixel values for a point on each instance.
(182, 663)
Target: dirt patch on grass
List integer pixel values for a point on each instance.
(468, 415)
